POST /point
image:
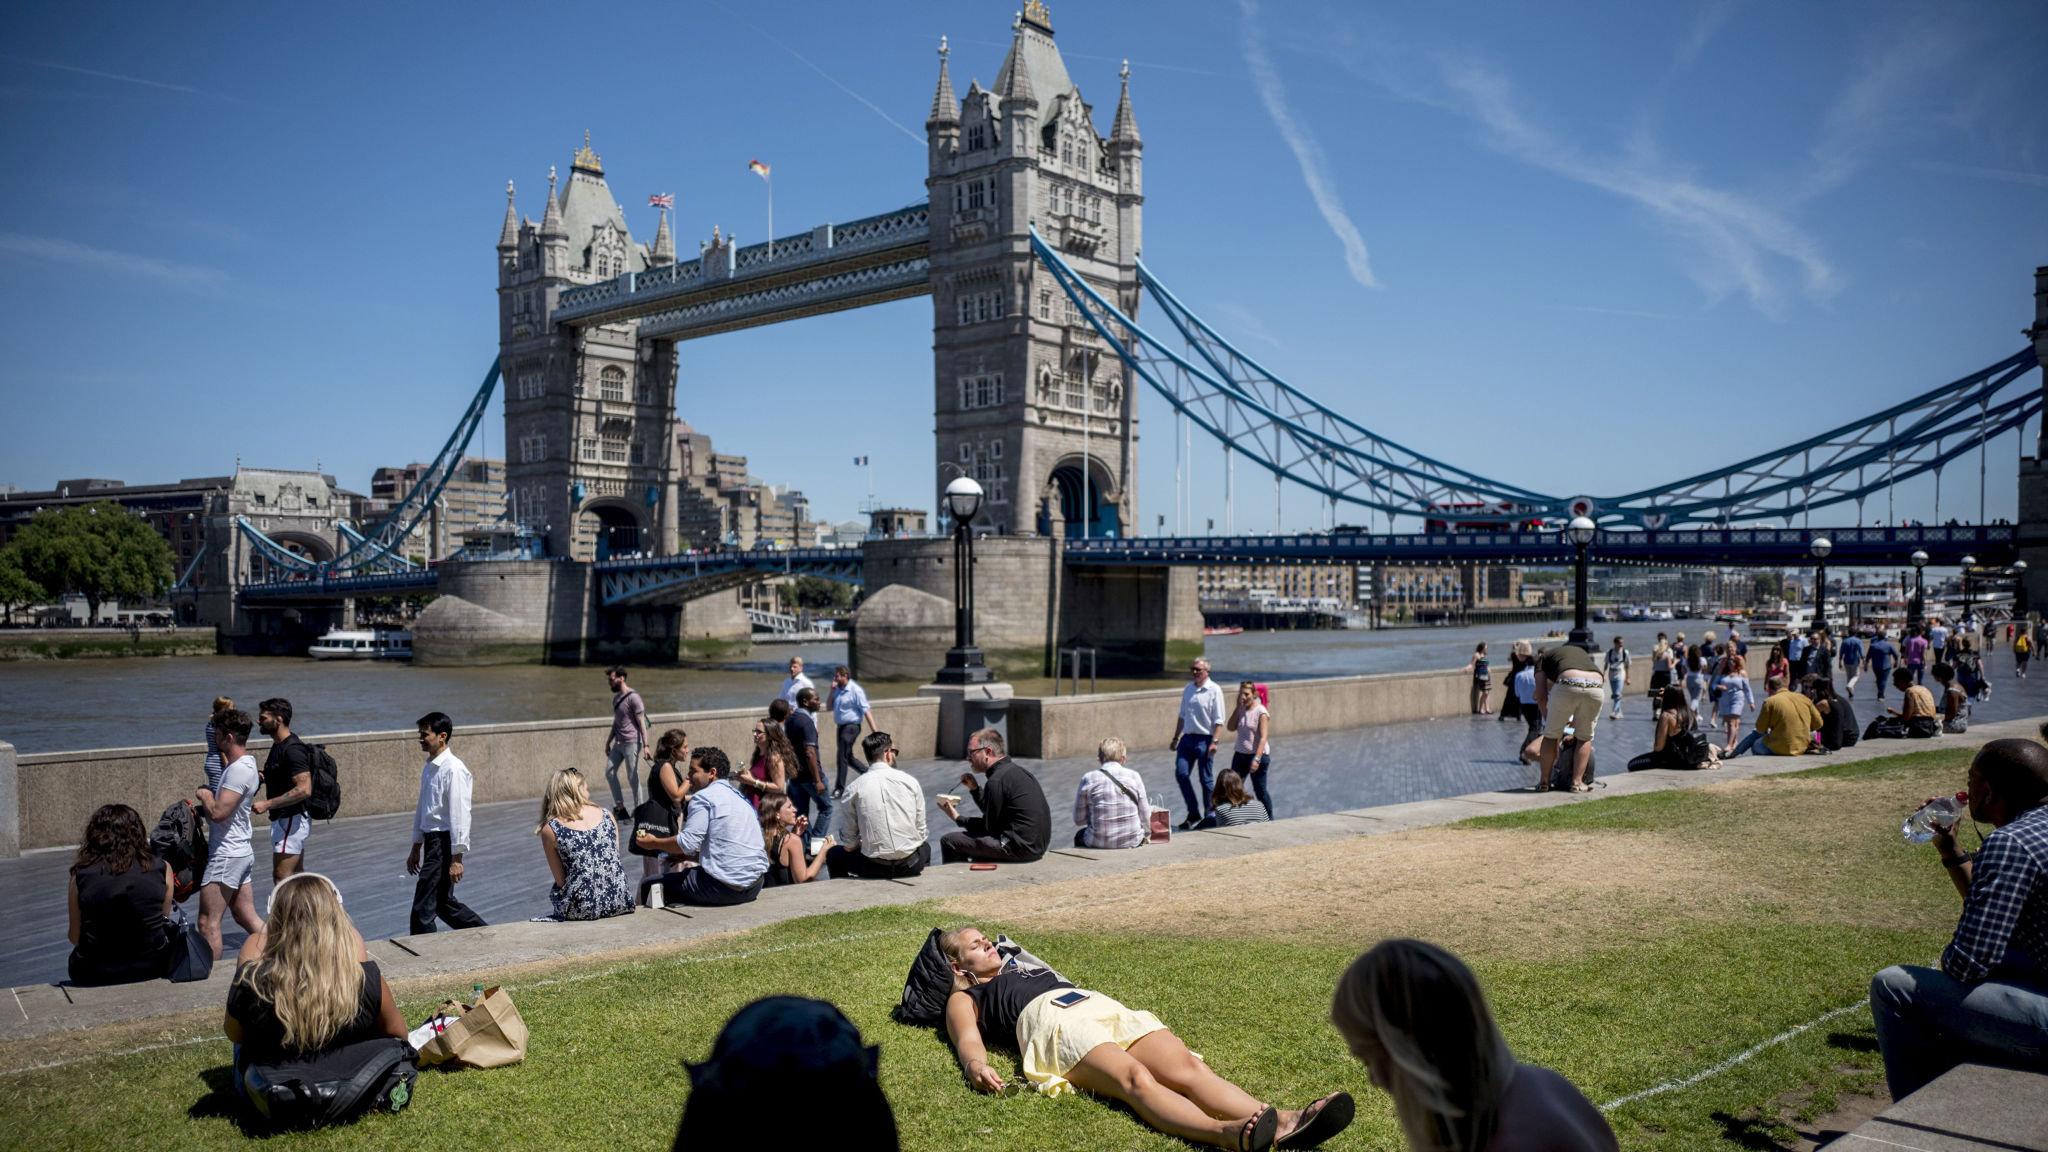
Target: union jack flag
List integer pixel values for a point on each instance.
(664, 200)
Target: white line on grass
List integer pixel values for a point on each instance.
(189, 1040)
(1740, 1057)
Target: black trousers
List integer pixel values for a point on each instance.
(434, 894)
(974, 843)
(849, 737)
(841, 862)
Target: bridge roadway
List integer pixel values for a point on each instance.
(1315, 773)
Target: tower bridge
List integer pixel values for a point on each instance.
(1027, 241)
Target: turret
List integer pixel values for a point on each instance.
(942, 127)
(554, 237)
(664, 243)
(508, 238)
(1019, 101)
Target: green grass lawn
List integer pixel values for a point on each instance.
(1836, 895)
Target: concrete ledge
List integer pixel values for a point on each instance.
(438, 960)
(1972, 1107)
(10, 802)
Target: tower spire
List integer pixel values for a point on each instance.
(508, 236)
(945, 109)
(1016, 78)
(664, 243)
(551, 223)
(1125, 129)
(587, 160)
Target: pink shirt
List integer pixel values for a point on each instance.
(1916, 649)
(629, 717)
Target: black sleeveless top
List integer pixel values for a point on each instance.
(122, 937)
(263, 1033)
(658, 794)
(779, 873)
(998, 1003)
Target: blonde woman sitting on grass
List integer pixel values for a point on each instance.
(1070, 1038)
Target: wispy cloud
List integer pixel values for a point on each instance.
(1884, 100)
(141, 81)
(2007, 175)
(1307, 153)
(52, 250)
(1242, 322)
(826, 76)
(1742, 244)
(1707, 22)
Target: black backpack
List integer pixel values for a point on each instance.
(325, 801)
(180, 840)
(1561, 772)
(375, 1074)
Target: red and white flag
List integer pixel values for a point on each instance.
(758, 168)
(664, 200)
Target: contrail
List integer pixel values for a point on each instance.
(829, 78)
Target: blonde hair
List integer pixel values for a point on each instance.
(1522, 648)
(1416, 1016)
(564, 798)
(1111, 749)
(221, 703)
(309, 974)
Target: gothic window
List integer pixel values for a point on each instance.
(967, 392)
(995, 305)
(1066, 150)
(976, 192)
(977, 138)
(1073, 313)
(639, 453)
(959, 197)
(966, 453)
(590, 448)
(1045, 303)
(980, 306)
(614, 451)
(966, 309)
(1073, 390)
(995, 450)
(1095, 209)
(611, 384)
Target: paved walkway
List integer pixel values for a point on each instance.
(1415, 770)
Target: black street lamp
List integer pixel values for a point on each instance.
(1580, 532)
(964, 664)
(1916, 610)
(1820, 547)
(1968, 562)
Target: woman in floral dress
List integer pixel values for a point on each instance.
(582, 847)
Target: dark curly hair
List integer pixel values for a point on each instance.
(116, 838)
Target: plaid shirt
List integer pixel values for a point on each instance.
(2004, 928)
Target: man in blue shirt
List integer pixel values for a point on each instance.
(1988, 1002)
(1852, 660)
(721, 832)
(849, 704)
(1883, 654)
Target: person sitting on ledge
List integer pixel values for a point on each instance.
(582, 848)
(786, 837)
(1233, 804)
(1069, 1038)
(1415, 1016)
(1678, 743)
(1015, 822)
(1111, 809)
(721, 833)
(883, 823)
(1784, 725)
(1988, 1002)
(120, 897)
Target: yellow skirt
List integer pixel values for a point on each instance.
(1054, 1039)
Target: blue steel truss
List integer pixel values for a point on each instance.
(1278, 427)
(327, 586)
(674, 578)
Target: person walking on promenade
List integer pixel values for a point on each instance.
(1988, 1002)
(1663, 664)
(1695, 682)
(1111, 809)
(1252, 755)
(1777, 665)
(214, 763)
(797, 681)
(2022, 651)
(1915, 649)
(1883, 655)
(287, 783)
(807, 780)
(229, 882)
(623, 744)
(1196, 731)
(1511, 703)
(1482, 682)
(1015, 822)
(1568, 691)
(440, 831)
(1851, 658)
(849, 705)
(1617, 675)
(721, 832)
(886, 836)
(1938, 636)
(1737, 697)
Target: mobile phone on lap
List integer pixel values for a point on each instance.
(1069, 998)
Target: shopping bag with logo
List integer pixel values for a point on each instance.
(486, 1034)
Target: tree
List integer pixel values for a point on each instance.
(813, 592)
(16, 589)
(1766, 587)
(99, 551)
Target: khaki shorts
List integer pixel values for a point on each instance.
(1578, 703)
(1054, 1039)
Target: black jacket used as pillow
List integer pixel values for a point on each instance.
(930, 981)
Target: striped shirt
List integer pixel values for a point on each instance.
(1250, 813)
(1109, 816)
(2004, 927)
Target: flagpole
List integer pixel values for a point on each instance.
(771, 215)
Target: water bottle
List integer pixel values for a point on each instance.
(476, 993)
(1940, 812)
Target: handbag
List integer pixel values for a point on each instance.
(658, 819)
(191, 955)
(1159, 820)
(486, 1034)
(377, 1073)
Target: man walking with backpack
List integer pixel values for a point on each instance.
(440, 831)
(287, 785)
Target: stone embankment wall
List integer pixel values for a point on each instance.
(99, 643)
(45, 798)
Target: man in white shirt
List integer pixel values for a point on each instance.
(797, 681)
(440, 831)
(882, 822)
(849, 705)
(1111, 809)
(1196, 732)
(229, 854)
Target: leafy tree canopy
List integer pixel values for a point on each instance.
(99, 551)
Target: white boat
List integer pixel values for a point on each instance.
(363, 644)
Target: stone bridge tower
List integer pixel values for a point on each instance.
(1030, 401)
(588, 410)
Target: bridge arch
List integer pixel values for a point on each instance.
(615, 525)
(1097, 502)
(262, 569)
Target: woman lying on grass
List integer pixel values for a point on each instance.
(1068, 1037)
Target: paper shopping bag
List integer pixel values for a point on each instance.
(486, 1034)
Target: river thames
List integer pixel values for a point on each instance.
(61, 705)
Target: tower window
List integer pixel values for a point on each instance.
(611, 384)
(1045, 303)
(977, 138)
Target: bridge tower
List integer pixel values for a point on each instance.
(588, 410)
(1029, 400)
(2033, 526)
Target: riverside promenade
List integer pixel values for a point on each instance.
(1327, 786)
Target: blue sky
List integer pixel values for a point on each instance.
(1579, 248)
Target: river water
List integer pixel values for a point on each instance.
(58, 705)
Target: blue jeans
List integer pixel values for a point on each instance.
(1754, 742)
(1254, 773)
(1195, 750)
(806, 797)
(1928, 1023)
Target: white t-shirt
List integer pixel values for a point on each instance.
(230, 837)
